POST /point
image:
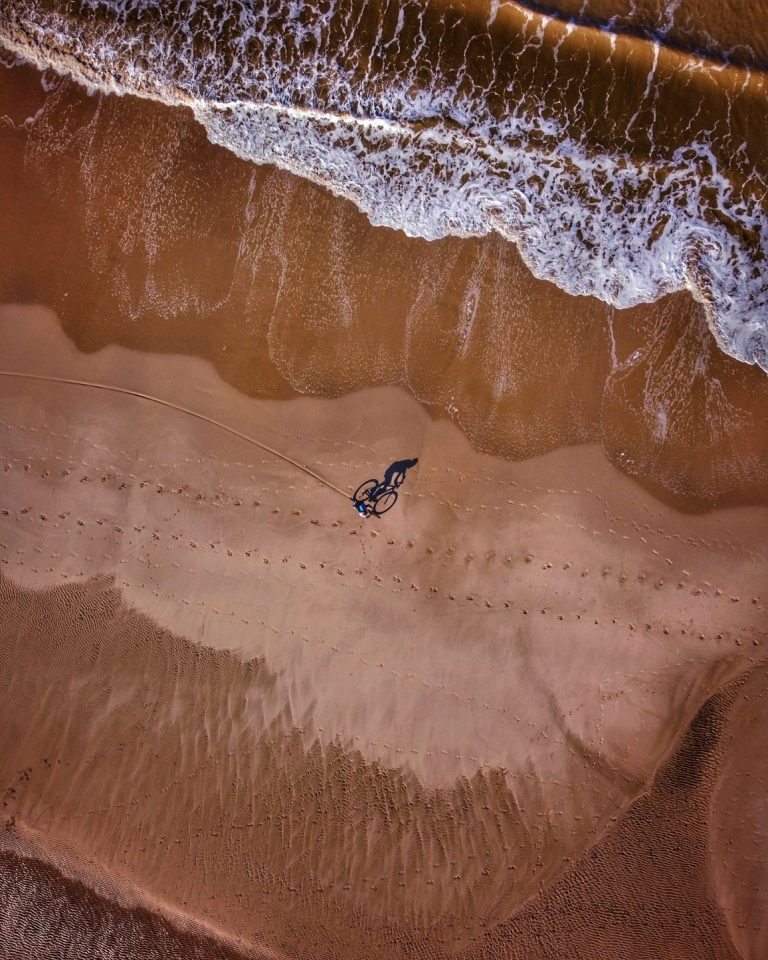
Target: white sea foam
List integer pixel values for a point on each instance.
(428, 158)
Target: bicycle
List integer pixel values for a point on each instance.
(372, 498)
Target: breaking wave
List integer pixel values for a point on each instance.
(620, 168)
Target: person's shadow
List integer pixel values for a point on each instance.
(395, 472)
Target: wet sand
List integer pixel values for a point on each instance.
(183, 248)
(633, 896)
(647, 889)
(256, 700)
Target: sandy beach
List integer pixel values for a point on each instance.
(519, 717)
(517, 638)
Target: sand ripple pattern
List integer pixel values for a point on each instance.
(620, 168)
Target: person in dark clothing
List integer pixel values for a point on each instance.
(397, 470)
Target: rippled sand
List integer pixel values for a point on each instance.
(519, 717)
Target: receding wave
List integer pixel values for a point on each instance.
(622, 169)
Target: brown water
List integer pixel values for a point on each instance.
(720, 31)
(621, 167)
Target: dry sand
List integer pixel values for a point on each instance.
(321, 735)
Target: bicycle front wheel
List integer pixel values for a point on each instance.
(385, 502)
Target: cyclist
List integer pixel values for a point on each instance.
(368, 494)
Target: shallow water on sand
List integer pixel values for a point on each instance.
(181, 247)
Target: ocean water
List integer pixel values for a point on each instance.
(622, 165)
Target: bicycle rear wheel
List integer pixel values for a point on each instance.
(384, 502)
